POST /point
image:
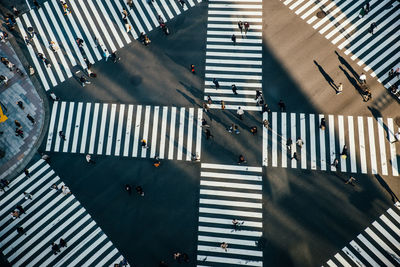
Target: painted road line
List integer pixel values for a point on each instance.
(363, 158)
(239, 84)
(85, 127)
(163, 132)
(394, 215)
(230, 167)
(180, 135)
(69, 125)
(231, 185)
(111, 129)
(172, 133)
(233, 241)
(274, 139)
(232, 54)
(240, 204)
(146, 130)
(234, 13)
(322, 145)
(77, 126)
(119, 129)
(233, 69)
(342, 143)
(363, 253)
(235, 213)
(245, 252)
(233, 61)
(110, 24)
(233, 76)
(383, 245)
(235, 176)
(190, 135)
(382, 147)
(352, 145)
(371, 133)
(247, 223)
(199, 134)
(137, 131)
(353, 257)
(229, 91)
(94, 128)
(332, 148)
(283, 140)
(313, 150)
(128, 131)
(60, 126)
(393, 157)
(342, 260)
(386, 234)
(102, 129)
(230, 194)
(265, 141)
(390, 224)
(238, 41)
(142, 15)
(133, 16)
(229, 261)
(303, 137)
(294, 137)
(117, 20)
(154, 133)
(375, 251)
(234, 19)
(229, 231)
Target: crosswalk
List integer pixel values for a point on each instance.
(368, 140)
(118, 130)
(98, 22)
(343, 26)
(377, 245)
(227, 193)
(239, 64)
(50, 214)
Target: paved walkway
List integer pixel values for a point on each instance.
(18, 89)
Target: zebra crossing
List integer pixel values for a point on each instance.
(377, 245)
(239, 64)
(368, 140)
(50, 214)
(346, 29)
(98, 22)
(227, 193)
(118, 130)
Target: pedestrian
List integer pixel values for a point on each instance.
(323, 124)
(344, 152)
(235, 224)
(15, 214)
(177, 256)
(335, 163)
(246, 27)
(265, 108)
(206, 108)
(294, 156)
(19, 132)
(351, 180)
(63, 243)
(363, 78)
(18, 124)
(31, 70)
(89, 159)
(260, 100)
(396, 137)
(339, 89)
(195, 157)
(208, 134)
(46, 158)
(209, 100)
(36, 4)
(55, 248)
(192, 68)
(20, 230)
(182, 2)
(4, 79)
(114, 57)
(233, 38)
(20, 104)
(204, 123)
(367, 8)
(391, 73)
(139, 190)
(216, 83)
(185, 257)
(128, 189)
(15, 10)
(240, 113)
(253, 130)
(79, 42)
(130, 3)
(65, 190)
(106, 54)
(299, 142)
(222, 104)
(143, 144)
(30, 118)
(282, 106)
(84, 81)
(241, 160)
(62, 135)
(21, 209)
(362, 12)
(234, 89)
(156, 162)
(240, 25)
(224, 246)
(236, 129)
(27, 173)
(230, 128)
(372, 27)
(266, 123)
(289, 144)
(128, 27)
(258, 93)
(27, 195)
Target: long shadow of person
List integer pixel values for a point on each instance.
(326, 76)
(386, 187)
(352, 80)
(347, 65)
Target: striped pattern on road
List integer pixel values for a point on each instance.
(377, 245)
(345, 28)
(230, 192)
(50, 215)
(231, 63)
(118, 130)
(369, 143)
(99, 23)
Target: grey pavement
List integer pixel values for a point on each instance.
(17, 149)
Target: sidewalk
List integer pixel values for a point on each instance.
(18, 151)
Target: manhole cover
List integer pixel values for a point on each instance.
(321, 14)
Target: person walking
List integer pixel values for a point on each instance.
(156, 162)
(128, 189)
(18, 124)
(367, 8)
(363, 78)
(246, 27)
(84, 81)
(265, 108)
(27, 173)
(30, 118)
(240, 25)
(344, 152)
(224, 246)
(106, 54)
(253, 130)
(62, 135)
(206, 108)
(192, 68)
(144, 144)
(236, 129)
(282, 106)
(322, 125)
(204, 123)
(233, 38)
(234, 89)
(396, 137)
(209, 100)
(21, 209)
(216, 83)
(299, 142)
(20, 230)
(208, 134)
(362, 12)
(240, 113)
(27, 195)
(63, 243)
(351, 180)
(294, 156)
(339, 89)
(241, 160)
(55, 248)
(289, 144)
(372, 27)
(114, 57)
(222, 104)
(139, 190)
(335, 163)
(266, 123)
(89, 159)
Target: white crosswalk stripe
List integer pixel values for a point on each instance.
(377, 245)
(370, 150)
(99, 129)
(225, 59)
(98, 22)
(50, 214)
(344, 25)
(227, 193)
